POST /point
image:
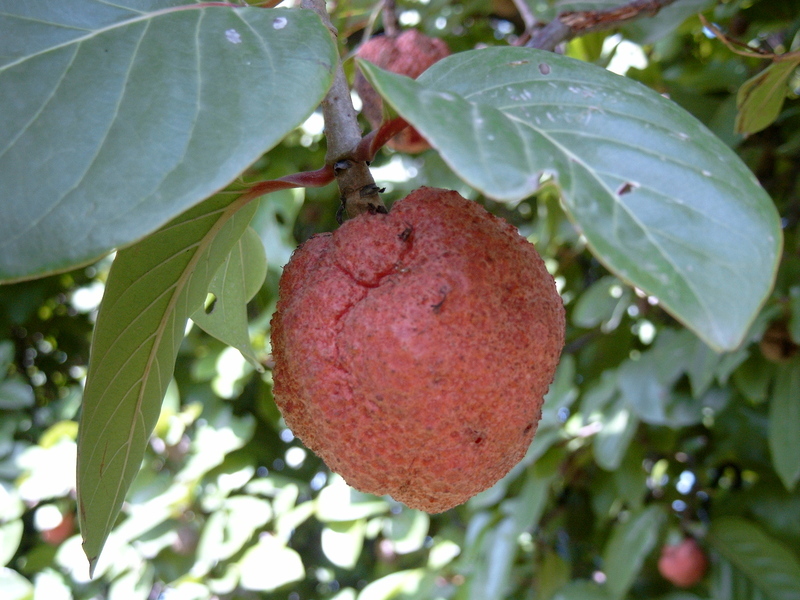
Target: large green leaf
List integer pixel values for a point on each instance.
(119, 116)
(237, 281)
(661, 201)
(784, 424)
(152, 289)
(628, 546)
(768, 565)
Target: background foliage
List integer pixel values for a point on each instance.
(647, 434)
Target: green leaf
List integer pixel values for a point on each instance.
(491, 573)
(552, 574)
(772, 569)
(784, 424)
(760, 98)
(269, 565)
(794, 319)
(729, 583)
(117, 119)
(647, 383)
(605, 301)
(228, 529)
(10, 537)
(628, 546)
(581, 590)
(662, 202)
(342, 542)
(152, 289)
(237, 281)
(612, 441)
(14, 585)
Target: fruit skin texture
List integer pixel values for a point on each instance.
(412, 349)
(409, 54)
(683, 564)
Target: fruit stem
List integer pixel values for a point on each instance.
(389, 17)
(359, 194)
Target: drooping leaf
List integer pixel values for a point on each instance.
(761, 97)
(628, 546)
(768, 565)
(661, 201)
(152, 288)
(237, 281)
(784, 424)
(117, 118)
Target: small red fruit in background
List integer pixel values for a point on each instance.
(413, 349)
(62, 531)
(409, 54)
(683, 564)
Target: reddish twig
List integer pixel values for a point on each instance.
(372, 142)
(571, 24)
(317, 178)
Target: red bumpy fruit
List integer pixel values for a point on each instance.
(683, 564)
(409, 54)
(413, 349)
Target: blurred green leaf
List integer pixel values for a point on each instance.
(560, 396)
(274, 222)
(236, 282)
(552, 574)
(152, 289)
(228, 529)
(6, 357)
(342, 542)
(784, 423)
(135, 584)
(769, 566)
(119, 117)
(612, 441)
(49, 583)
(339, 502)
(269, 565)
(760, 98)
(393, 585)
(647, 383)
(489, 571)
(15, 393)
(10, 537)
(627, 548)
(662, 202)
(47, 472)
(729, 583)
(581, 590)
(604, 302)
(794, 319)
(407, 531)
(14, 585)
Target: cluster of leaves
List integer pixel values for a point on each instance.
(675, 408)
